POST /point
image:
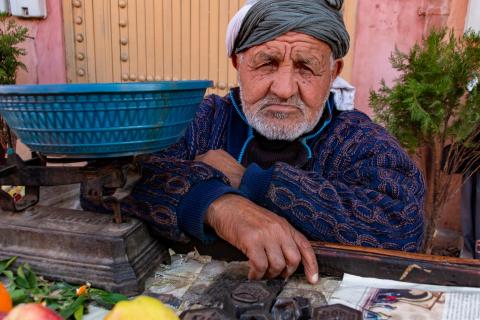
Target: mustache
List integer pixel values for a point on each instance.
(269, 100)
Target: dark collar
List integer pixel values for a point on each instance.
(265, 152)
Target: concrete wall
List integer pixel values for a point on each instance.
(45, 59)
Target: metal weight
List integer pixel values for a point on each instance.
(256, 315)
(336, 312)
(296, 308)
(204, 314)
(253, 296)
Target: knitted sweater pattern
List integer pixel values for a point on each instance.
(359, 187)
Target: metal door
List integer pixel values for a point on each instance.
(155, 40)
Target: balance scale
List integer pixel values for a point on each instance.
(110, 251)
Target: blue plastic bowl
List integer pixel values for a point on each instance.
(100, 120)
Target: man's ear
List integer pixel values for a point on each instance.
(337, 68)
(235, 61)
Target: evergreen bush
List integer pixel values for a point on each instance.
(434, 105)
(11, 36)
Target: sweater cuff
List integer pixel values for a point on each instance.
(255, 182)
(193, 207)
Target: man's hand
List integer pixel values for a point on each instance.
(224, 162)
(271, 244)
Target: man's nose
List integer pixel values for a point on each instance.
(284, 84)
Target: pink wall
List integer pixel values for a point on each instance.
(45, 59)
(382, 25)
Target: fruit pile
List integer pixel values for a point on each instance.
(6, 303)
(30, 311)
(23, 311)
(147, 308)
(143, 307)
(27, 295)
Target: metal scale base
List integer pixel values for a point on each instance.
(79, 246)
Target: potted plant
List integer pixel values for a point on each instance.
(434, 107)
(11, 35)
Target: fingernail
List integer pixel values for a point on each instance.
(315, 278)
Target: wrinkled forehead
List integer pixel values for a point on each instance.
(261, 21)
(291, 45)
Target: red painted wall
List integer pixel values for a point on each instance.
(45, 59)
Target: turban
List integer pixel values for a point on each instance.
(260, 21)
(269, 19)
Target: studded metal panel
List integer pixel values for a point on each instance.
(155, 40)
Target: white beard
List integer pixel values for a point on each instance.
(279, 127)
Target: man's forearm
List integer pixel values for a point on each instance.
(271, 244)
(336, 212)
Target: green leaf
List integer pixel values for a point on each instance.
(5, 264)
(22, 283)
(70, 309)
(31, 277)
(11, 35)
(429, 101)
(10, 276)
(62, 285)
(20, 272)
(78, 314)
(56, 294)
(19, 296)
(104, 298)
(53, 305)
(25, 286)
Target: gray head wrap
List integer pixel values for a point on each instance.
(269, 19)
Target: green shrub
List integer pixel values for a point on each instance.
(434, 104)
(11, 35)
(430, 100)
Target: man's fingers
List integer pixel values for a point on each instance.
(271, 244)
(308, 257)
(276, 260)
(292, 259)
(257, 263)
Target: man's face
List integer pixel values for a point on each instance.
(285, 83)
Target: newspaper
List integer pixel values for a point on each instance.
(380, 299)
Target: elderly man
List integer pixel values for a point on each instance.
(277, 161)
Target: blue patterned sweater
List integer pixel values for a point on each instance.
(358, 186)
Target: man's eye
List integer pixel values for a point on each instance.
(305, 68)
(267, 64)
